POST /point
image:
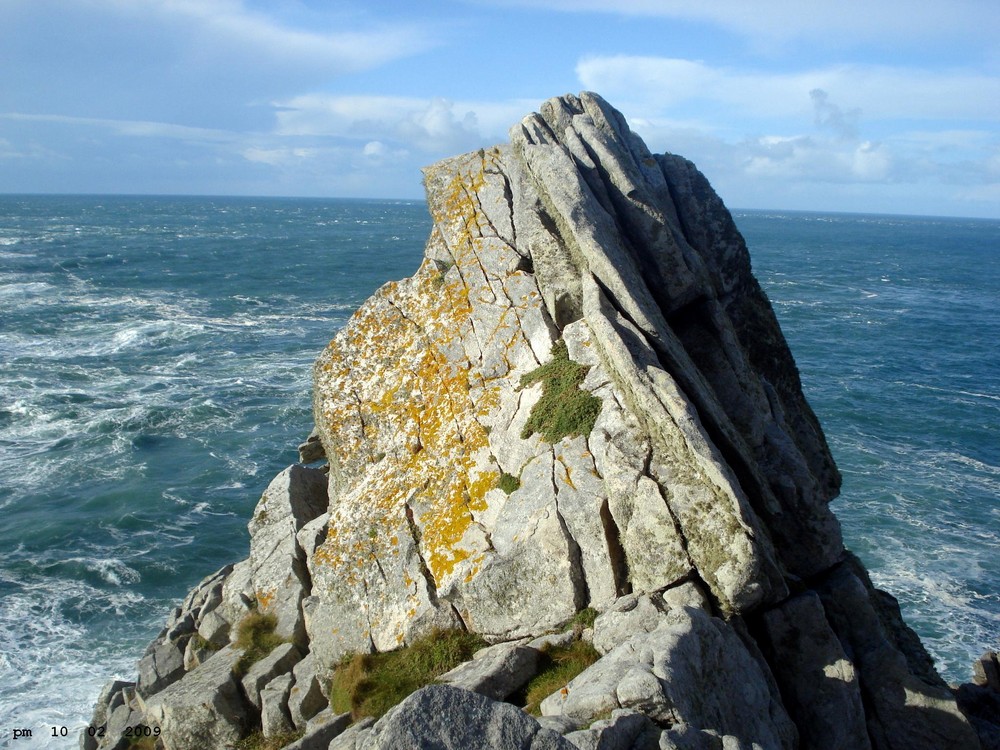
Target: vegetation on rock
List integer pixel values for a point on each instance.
(556, 667)
(564, 409)
(256, 637)
(508, 482)
(371, 684)
(583, 619)
(257, 741)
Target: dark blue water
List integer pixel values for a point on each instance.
(895, 326)
(155, 362)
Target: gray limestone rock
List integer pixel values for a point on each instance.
(902, 710)
(321, 730)
(205, 709)
(214, 628)
(305, 699)
(280, 661)
(160, 668)
(688, 481)
(121, 718)
(625, 730)
(986, 671)
(353, 737)
(279, 577)
(440, 717)
(817, 680)
(627, 616)
(691, 668)
(496, 672)
(552, 640)
(311, 449)
(274, 717)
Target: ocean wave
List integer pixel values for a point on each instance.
(25, 289)
(54, 662)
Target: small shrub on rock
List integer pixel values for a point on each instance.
(556, 667)
(257, 741)
(256, 637)
(371, 684)
(564, 409)
(508, 482)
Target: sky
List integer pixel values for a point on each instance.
(887, 106)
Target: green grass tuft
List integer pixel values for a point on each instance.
(257, 741)
(557, 666)
(508, 482)
(583, 619)
(256, 636)
(371, 684)
(564, 408)
(199, 642)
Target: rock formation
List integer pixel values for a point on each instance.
(581, 399)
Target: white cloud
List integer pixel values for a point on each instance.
(209, 63)
(657, 84)
(219, 29)
(137, 128)
(436, 127)
(815, 133)
(769, 20)
(375, 149)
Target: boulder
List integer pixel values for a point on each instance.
(280, 661)
(353, 737)
(274, 717)
(440, 716)
(205, 709)
(321, 730)
(305, 699)
(629, 615)
(496, 672)
(692, 669)
(986, 671)
(902, 710)
(278, 568)
(159, 668)
(625, 730)
(817, 680)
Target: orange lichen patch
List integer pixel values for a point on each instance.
(566, 473)
(401, 397)
(264, 599)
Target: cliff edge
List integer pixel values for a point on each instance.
(581, 402)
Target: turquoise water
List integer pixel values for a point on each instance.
(154, 375)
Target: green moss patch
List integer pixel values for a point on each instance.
(564, 409)
(556, 667)
(371, 684)
(256, 637)
(508, 482)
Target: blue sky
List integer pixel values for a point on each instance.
(854, 105)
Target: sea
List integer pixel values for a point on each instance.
(155, 357)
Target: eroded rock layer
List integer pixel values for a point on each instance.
(704, 459)
(581, 399)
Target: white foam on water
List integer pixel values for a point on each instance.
(51, 667)
(111, 570)
(25, 289)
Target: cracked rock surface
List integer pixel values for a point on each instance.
(679, 486)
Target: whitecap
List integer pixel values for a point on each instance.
(111, 570)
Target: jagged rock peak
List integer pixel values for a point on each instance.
(693, 453)
(582, 398)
